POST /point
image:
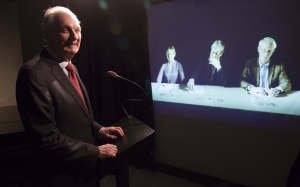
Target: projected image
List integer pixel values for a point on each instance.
(231, 62)
(241, 86)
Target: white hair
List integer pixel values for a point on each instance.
(268, 40)
(52, 12)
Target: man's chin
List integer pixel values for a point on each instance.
(72, 51)
(72, 48)
(265, 59)
(68, 55)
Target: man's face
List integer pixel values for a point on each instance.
(64, 36)
(265, 51)
(170, 55)
(216, 53)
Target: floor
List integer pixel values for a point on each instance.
(148, 178)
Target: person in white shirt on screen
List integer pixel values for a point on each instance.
(263, 76)
(169, 71)
(211, 73)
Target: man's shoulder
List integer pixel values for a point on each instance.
(251, 62)
(40, 59)
(276, 62)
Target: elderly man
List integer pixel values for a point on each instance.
(263, 76)
(56, 112)
(211, 72)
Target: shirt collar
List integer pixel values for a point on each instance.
(261, 65)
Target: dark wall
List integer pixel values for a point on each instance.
(112, 39)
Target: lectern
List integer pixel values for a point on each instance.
(135, 132)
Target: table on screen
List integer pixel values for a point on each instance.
(224, 97)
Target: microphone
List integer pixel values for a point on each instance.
(115, 75)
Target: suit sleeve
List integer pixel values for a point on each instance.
(284, 82)
(248, 76)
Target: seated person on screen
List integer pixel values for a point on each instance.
(169, 71)
(263, 76)
(210, 73)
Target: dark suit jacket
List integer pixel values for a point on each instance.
(62, 131)
(276, 77)
(207, 74)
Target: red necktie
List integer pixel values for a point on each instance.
(73, 79)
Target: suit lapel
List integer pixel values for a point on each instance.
(257, 72)
(60, 75)
(270, 74)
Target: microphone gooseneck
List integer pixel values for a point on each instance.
(112, 74)
(115, 75)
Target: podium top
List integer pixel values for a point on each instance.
(134, 130)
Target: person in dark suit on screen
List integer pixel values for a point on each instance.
(57, 116)
(210, 72)
(263, 76)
